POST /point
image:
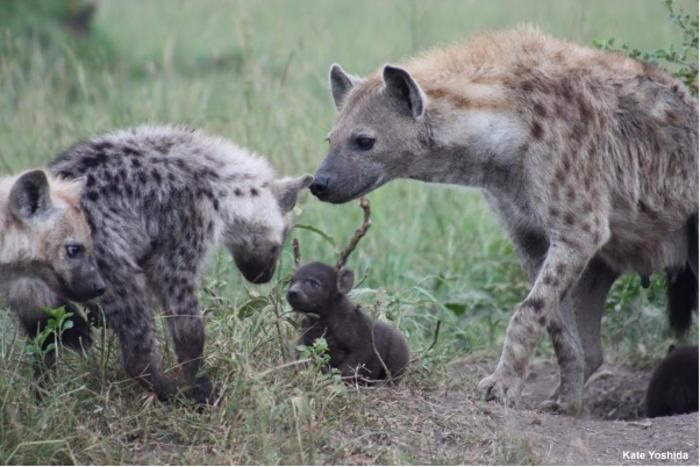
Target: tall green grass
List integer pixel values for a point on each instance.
(256, 72)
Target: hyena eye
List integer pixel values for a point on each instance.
(365, 143)
(314, 283)
(74, 250)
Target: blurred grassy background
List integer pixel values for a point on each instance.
(256, 72)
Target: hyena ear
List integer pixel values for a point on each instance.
(401, 84)
(286, 190)
(341, 84)
(346, 279)
(30, 196)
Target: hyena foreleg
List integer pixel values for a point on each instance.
(565, 260)
(582, 354)
(176, 291)
(532, 247)
(588, 301)
(128, 313)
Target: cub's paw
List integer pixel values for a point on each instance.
(502, 387)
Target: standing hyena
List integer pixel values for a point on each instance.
(158, 199)
(590, 159)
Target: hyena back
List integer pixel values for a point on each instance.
(158, 200)
(590, 158)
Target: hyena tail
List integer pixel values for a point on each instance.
(682, 285)
(28, 297)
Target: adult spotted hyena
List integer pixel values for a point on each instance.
(158, 199)
(590, 159)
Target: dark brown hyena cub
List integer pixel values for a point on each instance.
(362, 349)
(673, 388)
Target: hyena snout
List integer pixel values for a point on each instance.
(319, 185)
(83, 283)
(258, 270)
(295, 296)
(342, 178)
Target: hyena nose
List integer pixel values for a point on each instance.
(292, 294)
(98, 287)
(319, 185)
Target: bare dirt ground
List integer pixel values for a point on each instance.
(450, 425)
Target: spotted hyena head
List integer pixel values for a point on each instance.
(56, 234)
(316, 288)
(380, 127)
(260, 227)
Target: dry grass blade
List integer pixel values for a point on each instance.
(296, 251)
(359, 233)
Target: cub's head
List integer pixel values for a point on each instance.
(260, 225)
(381, 127)
(55, 234)
(316, 287)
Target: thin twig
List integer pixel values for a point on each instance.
(430, 347)
(390, 377)
(359, 233)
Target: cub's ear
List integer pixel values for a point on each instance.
(401, 84)
(30, 196)
(346, 279)
(341, 84)
(286, 190)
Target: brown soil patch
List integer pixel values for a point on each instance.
(450, 425)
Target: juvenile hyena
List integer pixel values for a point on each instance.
(157, 200)
(44, 235)
(590, 159)
(45, 239)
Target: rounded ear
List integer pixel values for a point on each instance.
(341, 84)
(346, 279)
(286, 190)
(401, 84)
(30, 196)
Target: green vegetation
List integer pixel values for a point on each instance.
(256, 72)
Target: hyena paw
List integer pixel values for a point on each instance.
(502, 387)
(202, 391)
(558, 406)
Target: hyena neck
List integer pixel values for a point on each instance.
(245, 198)
(16, 245)
(24, 269)
(339, 309)
(480, 148)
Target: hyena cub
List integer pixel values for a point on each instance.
(158, 199)
(673, 388)
(45, 239)
(362, 349)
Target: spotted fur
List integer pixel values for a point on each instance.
(159, 199)
(40, 223)
(589, 158)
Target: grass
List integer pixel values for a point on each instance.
(256, 72)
